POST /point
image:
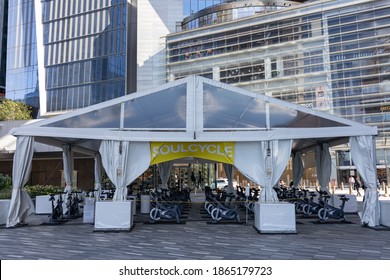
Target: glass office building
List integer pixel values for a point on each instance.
(81, 47)
(333, 56)
(22, 65)
(3, 44)
(72, 54)
(85, 52)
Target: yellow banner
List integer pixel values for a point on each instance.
(167, 151)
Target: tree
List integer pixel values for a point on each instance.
(13, 110)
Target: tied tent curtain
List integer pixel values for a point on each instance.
(123, 162)
(164, 169)
(280, 154)
(67, 158)
(21, 205)
(297, 165)
(263, 163)
(229, 170)
(68, 162)
(98, 176)
(323, 166)
(364, 158)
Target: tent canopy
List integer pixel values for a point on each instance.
(194, 109)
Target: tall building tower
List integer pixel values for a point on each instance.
(22, 65)
(3, 44)
(82, 48)
(72, 54)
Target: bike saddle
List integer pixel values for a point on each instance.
(343, 197)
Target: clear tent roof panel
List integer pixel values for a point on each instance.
(161, 110)
(106, 117)
(280, 116)
(227, 109)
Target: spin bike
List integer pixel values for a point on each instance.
(73, 205)
(313, 207)
(168, 212)
(57, 215)
(329, 211)
(221, 211)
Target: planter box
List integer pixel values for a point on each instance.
(113, 215)
(89, 210)
(133, 198)
(43, 204)
(4, 208)
(276, 217)
(350, 205)
(384, 219)
(145, 204)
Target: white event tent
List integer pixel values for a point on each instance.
(255, 133)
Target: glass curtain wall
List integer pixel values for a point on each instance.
(3, 44)
(193, 6)
(22, 64)
(360, 65)
(225, 13)
(85, 52)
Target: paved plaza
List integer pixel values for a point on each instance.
(196, 239)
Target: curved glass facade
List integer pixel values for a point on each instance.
(85, 52)
(231, 10)
(192, 6)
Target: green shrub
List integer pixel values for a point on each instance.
(36, 190)
(5, 186)
(5, 182)
(5, 194)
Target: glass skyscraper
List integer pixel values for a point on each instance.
(22, 65)
(72, 54)
(3, 43)
(85, 52)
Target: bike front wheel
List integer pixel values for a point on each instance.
(210, 208)
(216, 214)
(155, 214)
(322, 214)
(306, 209)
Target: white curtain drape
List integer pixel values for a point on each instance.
(252, 161)
(21, 205)
(124, 162)
(297, 165)
(67, 159)
(280, 154)
(323, 166)
(98, 176)
(229, 170)
(249, 159)
(363, 155)
(164, 169)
